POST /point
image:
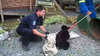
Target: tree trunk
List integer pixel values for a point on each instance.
(61, 10)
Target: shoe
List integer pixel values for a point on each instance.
(25, 47)
(20, 39)
(83, 32)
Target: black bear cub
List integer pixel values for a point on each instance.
(62, 37)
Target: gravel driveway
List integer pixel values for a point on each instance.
(82, 46)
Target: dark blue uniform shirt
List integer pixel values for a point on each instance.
(31, 22)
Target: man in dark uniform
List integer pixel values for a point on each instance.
(28, 27)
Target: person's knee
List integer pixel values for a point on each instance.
(27, 32)
(18, 31)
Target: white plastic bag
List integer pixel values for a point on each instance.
(49, 47)
(73, 35)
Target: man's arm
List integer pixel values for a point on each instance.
(83, 7)
(42, 27)
(38, 33)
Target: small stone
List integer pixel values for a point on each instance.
(18, 19)
(9, 38)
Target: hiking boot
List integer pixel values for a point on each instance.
(25, 47)
(20, 39)
(83, 32)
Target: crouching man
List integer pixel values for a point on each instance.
(28, 27)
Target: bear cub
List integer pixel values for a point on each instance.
(62, 37)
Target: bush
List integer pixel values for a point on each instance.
(2, 31)
(58, 19)
(15, 25)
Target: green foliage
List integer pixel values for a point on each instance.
(2, 24)
(15, 25)
(16, 35)
(10, 25)
(70, 54)
(2, 31)
(2, 44)
(59, 19)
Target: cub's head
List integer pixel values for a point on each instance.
(64, 27)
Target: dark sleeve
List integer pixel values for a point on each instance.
(40, 21)
(32, 23)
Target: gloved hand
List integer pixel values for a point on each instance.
(46, 37)
(47, 33)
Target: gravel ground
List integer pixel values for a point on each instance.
(81, 46)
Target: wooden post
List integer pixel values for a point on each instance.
(21, 17)
(1, 11)
(35, 3)
(30, 5)
(61, 10)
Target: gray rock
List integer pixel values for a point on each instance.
(4, 36)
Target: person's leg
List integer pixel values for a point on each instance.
(20, 39)
(26, 35)
(19, 32)
(93, 15)
(36, 38)
(92, 9)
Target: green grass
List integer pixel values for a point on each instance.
(2, 31)
(16, 35)
(10, 25)
(59, 19)
(2, 44)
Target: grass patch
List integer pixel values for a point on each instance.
(16, 35)
(13, 24)
(8, 25)
(2, 31)
(2, 44)
(57, 19)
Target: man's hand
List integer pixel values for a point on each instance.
(46, 37)
(89, 13)
(47, 33)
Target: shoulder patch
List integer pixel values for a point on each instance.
(34, 22)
